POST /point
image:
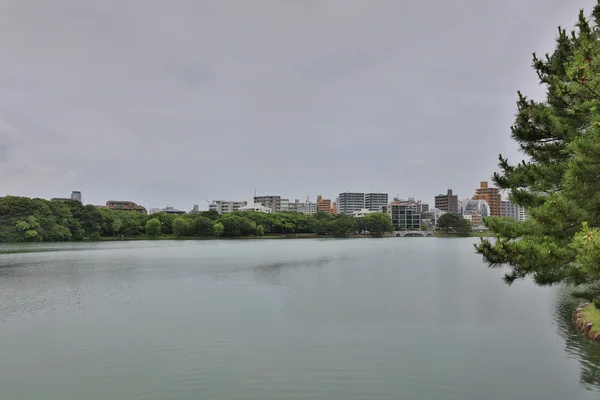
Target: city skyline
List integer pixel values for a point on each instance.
(208, 204)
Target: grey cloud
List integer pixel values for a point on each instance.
(175, 102)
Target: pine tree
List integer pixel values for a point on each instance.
(559, 184)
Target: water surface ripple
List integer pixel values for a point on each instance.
(397, 318)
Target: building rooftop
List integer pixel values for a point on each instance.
(434, 210)
(172, 210)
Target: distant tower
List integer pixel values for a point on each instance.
(76, 195)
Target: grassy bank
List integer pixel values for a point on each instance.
(171, 237)
(278, 236)
(591, 314)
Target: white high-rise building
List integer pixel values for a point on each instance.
(348, 203)
(374, 201)
(509, 209)
(309, 207)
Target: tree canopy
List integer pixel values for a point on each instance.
(24, 219)
(450, 222)
(559, 183)
(377, 224)
(180, 226)
(153, 227)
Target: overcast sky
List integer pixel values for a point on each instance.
(174, 102)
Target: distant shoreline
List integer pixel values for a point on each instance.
(28, 249)
(267, 237)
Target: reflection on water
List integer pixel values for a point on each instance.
(270, 274)
(577, 346)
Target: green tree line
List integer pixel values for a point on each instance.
(29, 220)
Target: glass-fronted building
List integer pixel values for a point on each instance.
(405, 215)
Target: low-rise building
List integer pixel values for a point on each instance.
(475, 218)
(224, 207)
(405, 215)
(171, 210)
(431, 216)
(475, 211)
(257, 208)
(470, 206)
(361, 213)
(122, 205)
(75, 196)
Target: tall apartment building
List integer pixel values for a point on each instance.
(272, 202)
(491, 196)
(430, 217)
(285, 205)
(323, 205)
(224, 207)
(309, 207)
(348, 202)
(447, 202)
(509, 209)
(405, 215)
(374, 201)
(334, 207)
(296, 206)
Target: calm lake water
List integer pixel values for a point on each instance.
(397, 318)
